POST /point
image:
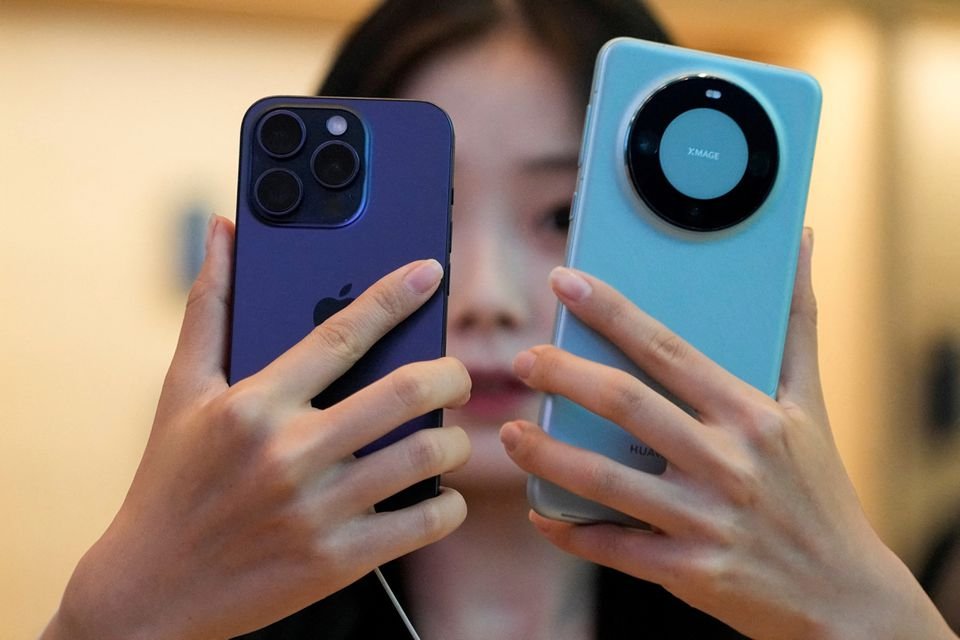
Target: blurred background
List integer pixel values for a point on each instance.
(118, 137)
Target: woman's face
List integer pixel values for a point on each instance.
(517, 137)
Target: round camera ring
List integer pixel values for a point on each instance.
(702, 153)
(335, 164)
(278, 192)
(281, 133)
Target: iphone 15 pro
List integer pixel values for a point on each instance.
(333, 194)
(690, 201)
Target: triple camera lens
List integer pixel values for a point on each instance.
(702, 153)
(334, 164)
(278, 191)
(281, 134)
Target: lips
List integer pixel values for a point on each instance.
(498, 395)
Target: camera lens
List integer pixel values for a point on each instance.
(702, 153)
(278, 191)
(335, 164)
(281, 133)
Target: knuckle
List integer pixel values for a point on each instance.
(767, 431)
(623, 400)
(328, 554)
(244, 408)
(280, 467)
(425, 454)
(199, 291)
(741, 484)
(615, 314)
(391, 302)
(602, 481)
(410, 389)
(341, 337)
(708, 571)
(431, 520)
(667, 347)
(297, 524)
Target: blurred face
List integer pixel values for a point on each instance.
(517, 138)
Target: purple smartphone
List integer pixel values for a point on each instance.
(333, 194)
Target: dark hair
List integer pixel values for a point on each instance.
(387, 48)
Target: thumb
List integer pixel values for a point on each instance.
(800, 373)
(200, 357)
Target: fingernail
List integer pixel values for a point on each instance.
(523, 363)
(510, 435)
(424, 276)
(537, 522)
(569, 284)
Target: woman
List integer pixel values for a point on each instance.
(771, 540)
(513, 78)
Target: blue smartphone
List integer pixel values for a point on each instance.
(690, 201)
(333, 194)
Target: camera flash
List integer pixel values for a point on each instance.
(713, 94)
(336, 125)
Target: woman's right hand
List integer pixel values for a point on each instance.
(248, 504)
(754, 520)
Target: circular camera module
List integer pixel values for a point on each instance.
(278, 192)
(702, 153)
(281, 133)
(335, 164)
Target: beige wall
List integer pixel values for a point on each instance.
(111, 121)
(114, 118)
(925, 142)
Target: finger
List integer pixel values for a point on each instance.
(800, 374)
(421, 455)
(404, 394)
(649, 556)
(200, 356)
(619, 397)
(382, 537)
(694, 378)
(334, 346)
(644, 496)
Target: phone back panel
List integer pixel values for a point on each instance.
(726, 292)
(284, 270)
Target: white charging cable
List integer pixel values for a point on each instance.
(396, 604)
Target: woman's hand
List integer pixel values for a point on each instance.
(755, 520)
(248, 505)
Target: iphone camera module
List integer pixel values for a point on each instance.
(308, 166)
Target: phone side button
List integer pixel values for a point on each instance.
(446, 279)
(586, 121)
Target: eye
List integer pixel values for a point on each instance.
(558, 218)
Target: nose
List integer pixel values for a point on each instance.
(487, 283)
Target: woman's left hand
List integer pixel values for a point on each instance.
(755, 520)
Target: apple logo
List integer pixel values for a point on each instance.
(329, 306)
(363, 372)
